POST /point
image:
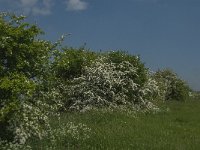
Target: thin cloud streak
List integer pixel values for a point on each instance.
(31, 7)
(43, 7)
(76, 5)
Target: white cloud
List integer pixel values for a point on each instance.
(34, 7)
(76, 5)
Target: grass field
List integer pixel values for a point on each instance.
(176, 129)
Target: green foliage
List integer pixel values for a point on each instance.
(21, 51)
(24, 60)
(70, 62)
(118, 57)
(16, 85)
(171, 86)
(14, 89)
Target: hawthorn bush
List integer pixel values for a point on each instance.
(109, 84)
(87, 79)
(171, 86)
(118, 57)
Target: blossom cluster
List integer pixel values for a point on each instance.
(171, 86)
(109, 84)
(65, 132)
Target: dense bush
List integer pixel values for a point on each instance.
(21, 51)
(31, 80)
(109, 84)
(118, 57)
(23, 63)
(171, 86)
(69, 63)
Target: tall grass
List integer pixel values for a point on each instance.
(175, 129)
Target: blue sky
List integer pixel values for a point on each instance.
(165, 33)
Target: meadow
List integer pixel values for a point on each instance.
(174, 128)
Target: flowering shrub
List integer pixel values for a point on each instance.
(23, 114)
(118, 57)
(171, 86)
(151, 93)
(68, 135)
(14, 90)
(108, 84)
(70, 130)
(27, 121)
(5, 145)
(151, 88)
(23, 62)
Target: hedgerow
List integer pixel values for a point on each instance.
(171, 86)
(39, 79)
(108, 84)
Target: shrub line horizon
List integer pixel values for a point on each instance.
(40, 79)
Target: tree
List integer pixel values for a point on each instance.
(21, 51)
(24, 61)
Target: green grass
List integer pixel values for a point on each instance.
(177, 129)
